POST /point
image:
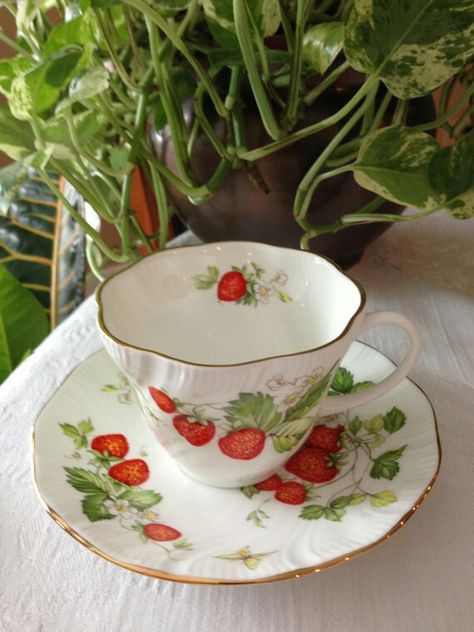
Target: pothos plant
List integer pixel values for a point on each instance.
(81, 94)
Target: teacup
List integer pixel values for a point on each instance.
(232, 347)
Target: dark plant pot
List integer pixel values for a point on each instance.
(241, 210)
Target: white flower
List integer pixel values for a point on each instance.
(288, 393)
(263, 292)
(121, 508)
(280, 278)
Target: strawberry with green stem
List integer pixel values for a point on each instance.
(196, 432)
(162, 400)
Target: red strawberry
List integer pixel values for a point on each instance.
(291, 493)
(160, 532)
(243, 444)
(195, 433)
(162, 400)
(311, 464)
(270, 484)
(133, 472)
(325, 438)
(232, 286)
(115, 444)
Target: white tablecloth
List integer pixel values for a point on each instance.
(421, 580)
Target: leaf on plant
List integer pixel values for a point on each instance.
(452, 175)
(141, 499)
(321, 45)
(309, 399)
(414, 48)
(253, 410)
(110, 388)
(85, 426)
(85, 85)
(394, 163)
(375, 424)
(206, 281)
(312, 512)
(342, 381)
(386, 465)
(23, 323)
(183, 545)
(361, 386)
(394, 420)
(94, 508)
(357, 499)
(284, 296)
(382, 499)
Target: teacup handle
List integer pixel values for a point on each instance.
(332, 405)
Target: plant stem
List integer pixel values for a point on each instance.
(244, 36)
(178, 43)
(266, 150)
(359, 218)
(287, 29)
(16, 47)
(141, 235)
(452, 111)
(162, 205)
(92, 259)
(296, 63)
(377, 120)
(125, 215)
(325, 83)
(131, 36)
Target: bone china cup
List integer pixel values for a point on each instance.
(231, 348)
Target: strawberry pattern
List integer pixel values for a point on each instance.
(339, 449)
(282, 416)
(246, 285)
(112, 486)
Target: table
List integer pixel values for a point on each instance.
(421, 580)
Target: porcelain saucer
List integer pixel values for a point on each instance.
(102, 476)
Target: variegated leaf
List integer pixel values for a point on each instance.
(412, 45)
(452, 175)
(321, 45)
(220, 18)
(394, 163)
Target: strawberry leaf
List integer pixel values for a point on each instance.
(312, 512)
(339, 503)
(206, 281)
(110, 388)
(335, 515)
(141, 499)
(72, 432)
(85, 426)
(249, 491)
(382, 499)
(361, 386)
(394, 420)
(356, 499)
(343, 381)
(375, 424)
(283, 444)
(87, 482)
(253, 410)
(94, 508)
(183, 544)
(386, 465)
(354, 425)
(309, 399)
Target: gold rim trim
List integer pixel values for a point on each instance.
(123, 343)
(187, 579)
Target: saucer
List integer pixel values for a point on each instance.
(101, 474)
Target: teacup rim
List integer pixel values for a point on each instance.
(127, 345)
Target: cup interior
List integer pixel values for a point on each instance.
(228, 303)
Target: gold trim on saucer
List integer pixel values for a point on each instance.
(126, 345)
(294, 574)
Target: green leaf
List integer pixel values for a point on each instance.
(354, 425)
(70, 430)
(382, 499)
(339, 503)
(11, 178)
(284, 443)
(335, 515)
(357, 499)
(206, 281)
(183, 545)
(309, 399)
(253, 410)
(386, 465)
(9, 69)
(375, 424)
(85, 85)
(249, 491)
(220, 18)
(88, 482)
(394, 163)
(141, 499)
(16, 137)
(75, 31)
(451, 173)
(343, 381)
(94, 508)
(43, 247)
(312, 512)
(110, 388)
(413, 46)
(85, 426)
(23, 323)
(394, 420)
(361, 386)
(321, 45)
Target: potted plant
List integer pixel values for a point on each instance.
(204, 98)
